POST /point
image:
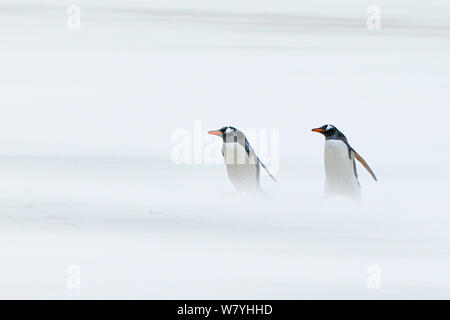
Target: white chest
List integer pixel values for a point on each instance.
(241, 168)
(234, 153)
(338, 162)
(336, 154)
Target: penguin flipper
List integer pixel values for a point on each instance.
(364, 163)
(264, 166)
(250, 153)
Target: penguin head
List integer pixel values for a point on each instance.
(330, 132)
(228, 134)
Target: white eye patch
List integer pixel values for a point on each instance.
(228, 130)
(329, 127)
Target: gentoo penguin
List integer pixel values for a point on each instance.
(341, 177)
(242, 163)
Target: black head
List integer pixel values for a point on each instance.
(228, 134)
(330, 132)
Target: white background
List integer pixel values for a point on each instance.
(86, 176)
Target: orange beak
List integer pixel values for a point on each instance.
(318, 130)
(215, 133)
